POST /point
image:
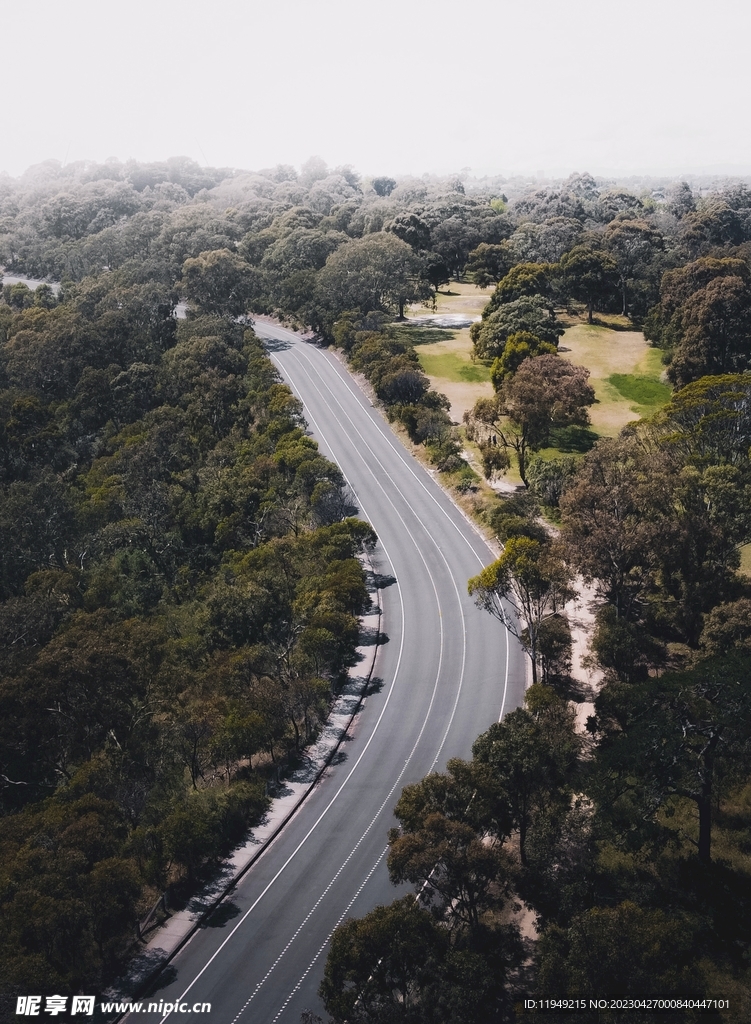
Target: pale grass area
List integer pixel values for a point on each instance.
(461, 396)
(455, 298)
(445, 362)
(460, 345)
(604, 352)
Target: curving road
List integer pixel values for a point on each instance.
(447, 672)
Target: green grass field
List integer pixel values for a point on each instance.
(624, 372)
(453, 366)
(645, 391)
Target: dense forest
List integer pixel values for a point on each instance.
(180, 584)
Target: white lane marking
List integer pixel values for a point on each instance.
(312, 963)
(362, 754)
(456, 701)
(357, 451)
(357, 394)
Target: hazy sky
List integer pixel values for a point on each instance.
(390, 86)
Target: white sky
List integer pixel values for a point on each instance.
(390, 86)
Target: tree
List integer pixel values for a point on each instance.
(489, 263)
(440, 955)
(608, 531)
(680, 200)
(669, 737)
(715, 331)
(111, 891)
(379, 965)
(545, 393)
(383, 186)
(412, 229)
(713, 223)
(709, 420)
(659, 532)
(534, 580)
(518, 347)
(531, 313)
(377, 272)
(619, 951)
(708, 518)
(548, 478)
(727, 626)
(218, 282)
(523, 279)
(532, 757)
(633, 244)
(436, 270)
(448, 860)
(617, 202)
(545, 242)
(589, 275)
(687, 306)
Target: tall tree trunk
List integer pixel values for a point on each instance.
(521, 458)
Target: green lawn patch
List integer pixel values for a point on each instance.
(450, 366)
(641, 390)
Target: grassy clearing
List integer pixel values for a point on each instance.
(457, 297)
(446, 357)
(642, 390)
(625, 373)
(451, 366)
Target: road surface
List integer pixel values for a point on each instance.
(447, 671)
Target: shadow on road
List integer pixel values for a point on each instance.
(275, 344)
(224, 913)
(383, 580)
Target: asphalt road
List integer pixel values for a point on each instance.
(446, 673)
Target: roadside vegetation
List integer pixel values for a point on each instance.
(180, 587)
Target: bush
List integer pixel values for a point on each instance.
(554, 642)
(495, 460)
(467, 480)
(516, 517)
(619, 645)
(209, 822)
(548, 480)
